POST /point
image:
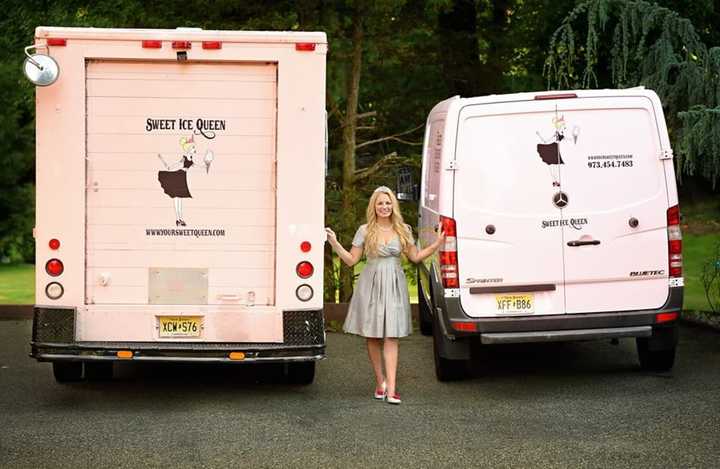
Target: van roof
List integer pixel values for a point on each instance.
(458, 102)
(181, 34)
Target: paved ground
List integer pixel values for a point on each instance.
(547, 405)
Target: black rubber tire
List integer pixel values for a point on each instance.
(98, 371)
(300, 373)
(447, 369)
(654, 360)
(425, 318)
(68, 372)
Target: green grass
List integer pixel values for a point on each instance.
(17, 284)
(697, 250)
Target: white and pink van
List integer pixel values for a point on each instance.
(561, 212)
(180, 199)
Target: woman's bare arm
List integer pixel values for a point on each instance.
(415, 256)
(349, 258)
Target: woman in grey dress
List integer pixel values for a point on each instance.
(380, 307)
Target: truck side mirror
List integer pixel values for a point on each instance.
(406, 190)
(40, 69)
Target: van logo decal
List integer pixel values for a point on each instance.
(647, 273)
(484, 280)
(560, 200)
(576, 223)
(549, 150)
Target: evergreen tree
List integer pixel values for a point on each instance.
(642, 43)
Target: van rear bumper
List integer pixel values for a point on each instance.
(587, 326)
(53, 339)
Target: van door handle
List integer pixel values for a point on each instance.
(577, 242)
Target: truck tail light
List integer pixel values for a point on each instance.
(304, 269)
(54, 244)
(152, 44)
(448, 255)
(305, 246)
(54, 267)
(675, 260)
(181, 45)
(56, 41)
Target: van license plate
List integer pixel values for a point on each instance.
(180, 326)
(515, 303)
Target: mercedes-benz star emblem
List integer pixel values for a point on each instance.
(560, 200)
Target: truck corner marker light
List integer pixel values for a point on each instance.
(124, 354)
(237, 356)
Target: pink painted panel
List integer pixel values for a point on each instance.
(219, 117)
(174, 106)
(150, 198)
(233, 323)
(169, 145)
(140, 162)
(180, 89)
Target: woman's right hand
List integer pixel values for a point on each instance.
(331, 236)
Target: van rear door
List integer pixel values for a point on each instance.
(615, 239)
(509, 239)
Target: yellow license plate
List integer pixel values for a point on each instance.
(515, 303)
(180, 326)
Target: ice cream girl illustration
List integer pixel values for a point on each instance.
(549, 150)
(174, 181)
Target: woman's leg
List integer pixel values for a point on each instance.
(390, 351)
(374, 347)
(176, 202)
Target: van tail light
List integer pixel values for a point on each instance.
(675, 260)
(448, 255)
(666, 317)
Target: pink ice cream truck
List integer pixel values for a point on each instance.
(180, 198)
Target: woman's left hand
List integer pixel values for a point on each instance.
(440, 240)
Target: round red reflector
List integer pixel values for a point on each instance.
(305, 246)
(304, 269)
(54, 267)
(54, 243)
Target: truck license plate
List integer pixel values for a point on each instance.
(180, 326)
(515, 303)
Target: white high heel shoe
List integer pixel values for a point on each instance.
(380, 393)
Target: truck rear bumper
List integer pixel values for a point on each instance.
(53, 339)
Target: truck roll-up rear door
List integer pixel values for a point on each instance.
(180, 183)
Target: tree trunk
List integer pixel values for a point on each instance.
(349, 221)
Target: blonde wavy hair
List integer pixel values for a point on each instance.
(396, 219)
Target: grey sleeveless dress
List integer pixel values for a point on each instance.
(380, 305)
